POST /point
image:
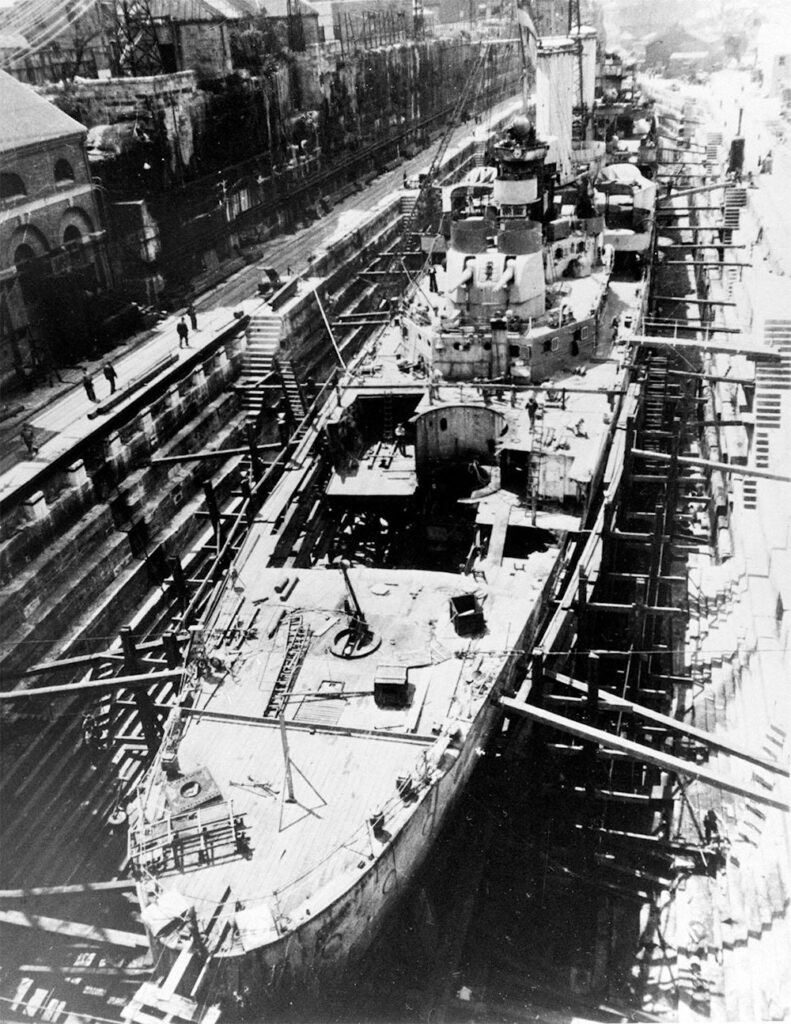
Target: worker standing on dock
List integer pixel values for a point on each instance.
(183, 333)
(400, 438)
(109, 371)
(29, 439)
(87, 383)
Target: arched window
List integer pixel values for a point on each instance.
(72, 234)
(22, 254)
(63, 170)
(11, 186)
(443, 424)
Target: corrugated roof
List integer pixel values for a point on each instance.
(29, 118)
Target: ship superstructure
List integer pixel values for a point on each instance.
(525, 272)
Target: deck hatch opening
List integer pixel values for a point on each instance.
(466, 615)
(391, 687)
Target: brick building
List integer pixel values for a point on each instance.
(53, 265)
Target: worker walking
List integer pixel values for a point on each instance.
(183, 333)
(87, 383)
(282, 427)
(192, 314)
(29, 438)
(109, 371)
(532, 408)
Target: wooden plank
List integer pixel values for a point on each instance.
(640, 752)
(673, 723)
(74, 930)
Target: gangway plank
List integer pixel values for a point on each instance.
(707, 738)
(639, 752)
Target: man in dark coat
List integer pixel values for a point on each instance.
(87, 383)
(109, 371)
(183, 333)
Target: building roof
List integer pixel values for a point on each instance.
(279, 8)
(204, 10)
(29, 118)
(12, 40)
(225, 10)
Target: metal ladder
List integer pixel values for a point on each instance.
(297, 644)
(535, 467)
(387, 418)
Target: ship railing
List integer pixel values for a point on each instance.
(187, 840)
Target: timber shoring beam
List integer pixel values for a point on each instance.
(675, 724)
(221, 453)
(667, 323)
(74, 930)
(693, 302)
(686, 212)
(702, 245)
(85, 661)
(693, 191)
(703, 263)
(751, 349)
(695, 228)
(724, 467)
(131, 974)
(86, 888)
(639, 752)
(627, 609)
(111, 683)
(745, 382)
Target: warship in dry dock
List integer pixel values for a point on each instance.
(345, 679)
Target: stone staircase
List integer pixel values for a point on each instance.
(291, 389)
(655, 401)
(264, 333)
(772, 382)
(406, 203)
(726, 932)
